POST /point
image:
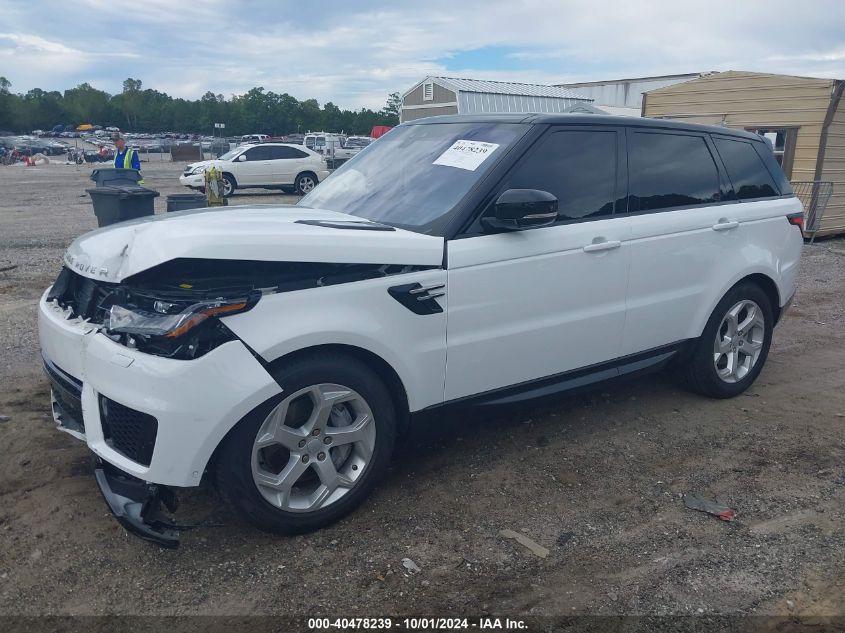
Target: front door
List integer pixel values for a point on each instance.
(536, 303)
(258, 168)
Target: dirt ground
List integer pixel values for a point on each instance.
(597, 479)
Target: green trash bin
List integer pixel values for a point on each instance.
(182, 201)
(116, 204)
(113, 177)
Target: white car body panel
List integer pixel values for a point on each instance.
(268, 233)
(361, 315)
(531, 304)
(255, 172)
(681, 266)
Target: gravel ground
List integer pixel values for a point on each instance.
(597, 479)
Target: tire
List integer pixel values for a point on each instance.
(230, 186)
(328, 475)
(726, 366)
(305, 182)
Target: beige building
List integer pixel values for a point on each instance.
(802, 116)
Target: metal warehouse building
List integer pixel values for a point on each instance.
(625, 96)
(434, 96)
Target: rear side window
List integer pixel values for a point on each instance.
(670, 170)
(578, 167)
(774, 167)
(746, 170)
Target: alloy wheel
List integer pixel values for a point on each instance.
(739, 341)
(313, 447)
(306, 184)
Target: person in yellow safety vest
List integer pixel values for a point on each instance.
(125, 157)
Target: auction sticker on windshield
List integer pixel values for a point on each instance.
(466, 154)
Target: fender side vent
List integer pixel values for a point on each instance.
(419, 299)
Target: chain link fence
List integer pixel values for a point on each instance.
(814, 195)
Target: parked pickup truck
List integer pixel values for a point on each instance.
(332, 146)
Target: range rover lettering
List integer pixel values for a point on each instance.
(280, 351)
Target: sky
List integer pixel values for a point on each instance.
(354, 53)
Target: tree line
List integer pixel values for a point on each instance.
(139, 109)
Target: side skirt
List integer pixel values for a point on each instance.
(569, 382)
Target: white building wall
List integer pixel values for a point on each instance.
(626, 93)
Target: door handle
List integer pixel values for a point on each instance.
(725, 225)
(603, 245)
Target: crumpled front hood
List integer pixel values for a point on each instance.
(258, 233)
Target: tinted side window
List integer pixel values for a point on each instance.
(670, 170)
(258, 153)
(746, 170)
(278, 152)
(578, 167)
(774, 168)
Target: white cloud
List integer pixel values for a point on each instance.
(354, 54)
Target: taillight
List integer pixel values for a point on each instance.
(796, 219)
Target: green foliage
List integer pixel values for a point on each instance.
(390, 111)
(137, 109)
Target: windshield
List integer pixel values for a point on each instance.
(231, 154)
(415, 175)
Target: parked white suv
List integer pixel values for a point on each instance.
(458, 261)
(267, 165)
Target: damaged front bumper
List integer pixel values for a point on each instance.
(175, 412)
(137, 505)
(152, 422)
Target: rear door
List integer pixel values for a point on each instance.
(683, 231)
(287, 163)
(532, 304)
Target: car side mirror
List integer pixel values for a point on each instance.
(241, 158)
(518, 209)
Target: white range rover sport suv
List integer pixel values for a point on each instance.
(277, 351)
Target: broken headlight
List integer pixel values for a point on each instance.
(174, 329)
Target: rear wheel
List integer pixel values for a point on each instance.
(734, 345)
(305, 183)
(313, 457)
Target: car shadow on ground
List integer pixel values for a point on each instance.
(437, 434)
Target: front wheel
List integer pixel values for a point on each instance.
(306, 461)
(229, 185)
(734, 345)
